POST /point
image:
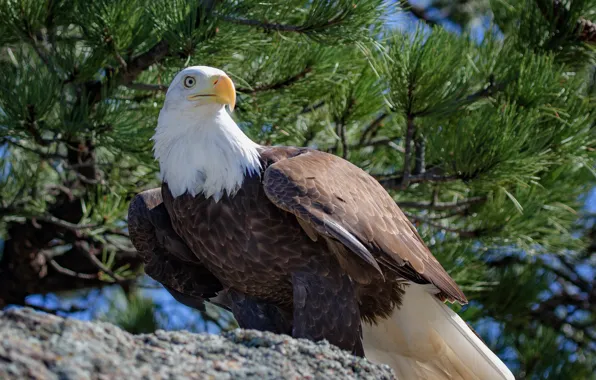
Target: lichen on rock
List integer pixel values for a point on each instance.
(36, 345)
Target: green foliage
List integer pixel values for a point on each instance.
(135, 314)
(418, 80)
(488, 148)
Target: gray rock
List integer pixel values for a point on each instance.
(36, 345)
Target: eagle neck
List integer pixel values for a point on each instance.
(206, 155)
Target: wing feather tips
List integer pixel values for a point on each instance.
(353, 244)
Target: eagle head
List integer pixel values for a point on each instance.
(200, 148)
(200, 86)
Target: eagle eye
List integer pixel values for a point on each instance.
(189, 82)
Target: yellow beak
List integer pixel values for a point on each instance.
(222, 92)
(225, 93)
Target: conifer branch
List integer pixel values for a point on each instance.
(41, 154)
(401, 182)
(584, 28)
(545, 311)
(419, 12)
(147, 87)
(68, 272)
(87, 180)
(489, 90)
(341, 128)
(442, 206)
(31, 126)
(64, 223)
(419, 159)
(372, 128)
(385, 141)
(33, 41)
(570, 275)
(312, 108)
(461, 232)
(90, 253)
(278, 85)
(140, 63)
(276, 27)
(405, 178)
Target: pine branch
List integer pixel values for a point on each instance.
(372, 128)
(545, 313)
(140, 63)
(486, 92)
(461, 232)
(90, 253)
(31, 126)
(312, 108)
(120, 248)
(453, 213)
(64, 223)
(570, 275)
(147, 87)
(41, 154)
(341, 128)
(386, 141)
(402, 182)
(584, 28)
(276, 27)
(545, 310)
(67, 272)
(405, 179)
(278, 85)
(88, 181)
(372, 144)
(33, 41)
(419, 162)
(419, 12)
(61, 188)
(443, 206)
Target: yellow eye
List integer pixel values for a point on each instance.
(189, 82)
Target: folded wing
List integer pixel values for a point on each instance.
(335, 199)
(167, 258)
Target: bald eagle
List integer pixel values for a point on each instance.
(295, 241)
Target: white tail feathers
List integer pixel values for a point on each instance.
(425, 340)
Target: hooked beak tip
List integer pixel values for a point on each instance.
(225, 91)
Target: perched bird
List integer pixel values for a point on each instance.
(295, 241)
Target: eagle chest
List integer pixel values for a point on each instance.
(245, 240)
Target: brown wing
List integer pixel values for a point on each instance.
(168, 260)
(343, 202)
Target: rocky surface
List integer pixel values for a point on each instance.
(35, 345)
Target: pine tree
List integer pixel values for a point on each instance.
(487, 146)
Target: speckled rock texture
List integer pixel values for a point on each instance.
(35, 345)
